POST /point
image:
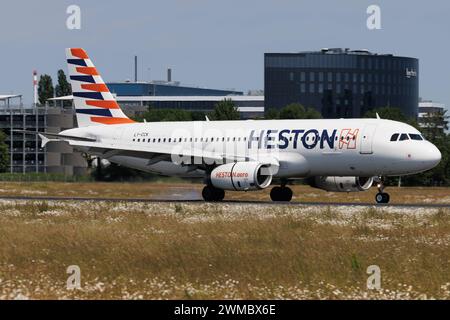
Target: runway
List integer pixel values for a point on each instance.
(230, 202)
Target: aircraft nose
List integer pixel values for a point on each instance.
(431, 155)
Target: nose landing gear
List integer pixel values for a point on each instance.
(381, 197)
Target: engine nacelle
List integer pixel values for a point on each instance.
(242, 176)
(341, 184)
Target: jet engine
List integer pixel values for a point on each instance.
(242, 176)
(341, 184)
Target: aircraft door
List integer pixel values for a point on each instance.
(367, 139)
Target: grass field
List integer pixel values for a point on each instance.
(219, 251)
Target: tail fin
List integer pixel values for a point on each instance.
(94, 103)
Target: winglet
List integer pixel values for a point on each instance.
(378, 116)
(44, 139)
(206, 118)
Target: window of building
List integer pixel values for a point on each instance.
(320, 87)
(291, 76)
(320, 76)
(302, 76)
(311, 76)
(302, 88)
(330, 77)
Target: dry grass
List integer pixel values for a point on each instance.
(196, 251)
(186, 191)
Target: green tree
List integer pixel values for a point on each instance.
(391, 113)
(272, 113)
(45, 89)
(63, 87)
(225, 110)
(434, 124)
(198, 115)
(4, 157)
(298, 111)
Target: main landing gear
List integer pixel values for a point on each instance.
(281, 193)
(381, 197)
(212, 194)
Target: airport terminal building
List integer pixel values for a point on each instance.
(341, 82)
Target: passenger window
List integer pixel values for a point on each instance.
(415, 136)
(394, 137)
(404, 137)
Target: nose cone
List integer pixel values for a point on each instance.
(431, 156)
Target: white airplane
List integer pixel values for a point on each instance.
(340, 155)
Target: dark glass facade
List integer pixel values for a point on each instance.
(159, 89)
(341, 83)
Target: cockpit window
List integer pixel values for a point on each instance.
(404, 137)
(394, 137)
(415, 136)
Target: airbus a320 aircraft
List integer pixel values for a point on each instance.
(341, 155)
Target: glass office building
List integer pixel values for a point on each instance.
(341, 82)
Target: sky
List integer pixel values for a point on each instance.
(215, 44)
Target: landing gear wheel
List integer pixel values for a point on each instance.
(382, 197)
(210, 193)
(281, 194)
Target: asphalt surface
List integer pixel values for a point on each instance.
(236, 202)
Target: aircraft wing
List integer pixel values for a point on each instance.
(155, 153)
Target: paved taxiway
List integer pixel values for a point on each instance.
(231, 202)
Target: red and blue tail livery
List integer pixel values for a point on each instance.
(94, 103)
